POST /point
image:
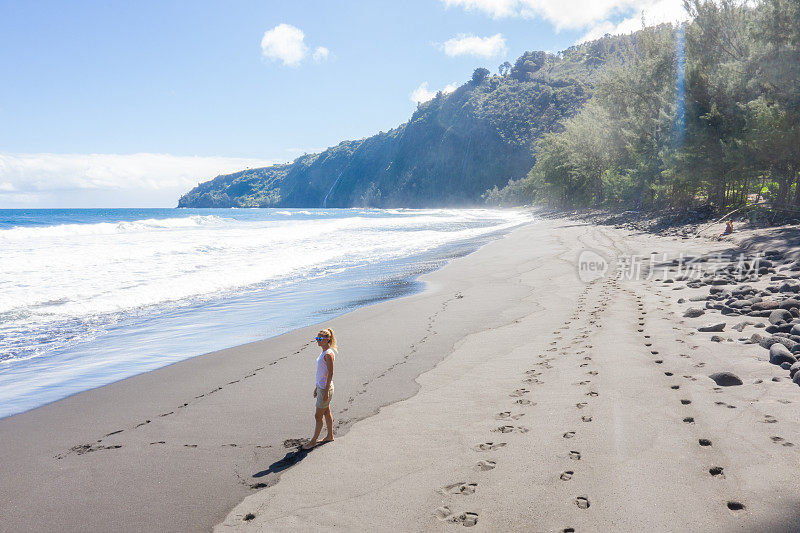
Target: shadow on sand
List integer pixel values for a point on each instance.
(289, 460)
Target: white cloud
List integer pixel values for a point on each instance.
(577, 14)
(286, 43)
(495, 8)
(30, 180)
(477, 46)
(656, 13)
(321, 54)
(423, 94)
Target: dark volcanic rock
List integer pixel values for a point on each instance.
(789, 287)
(725, 379)
(765, 305)
(712, 328)
(788, 303)
(780, 315)
(794, 368)
(693, 312)
(767, 342)
(778, 353)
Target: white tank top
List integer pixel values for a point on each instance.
(322, 368)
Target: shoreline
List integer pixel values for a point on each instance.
(465, 403)
(167, 335)
(155, 419)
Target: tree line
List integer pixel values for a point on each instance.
(705, 112)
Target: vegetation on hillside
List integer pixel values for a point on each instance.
(704, 113)
(453, 148)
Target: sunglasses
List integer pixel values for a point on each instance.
(321, 338)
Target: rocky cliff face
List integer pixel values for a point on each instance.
(449, 153)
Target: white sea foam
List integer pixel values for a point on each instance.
(78, 278)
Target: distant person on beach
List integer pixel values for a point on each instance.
(323, 388)
(728, 229)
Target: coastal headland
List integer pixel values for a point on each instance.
(533, 386)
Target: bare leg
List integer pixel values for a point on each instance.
(328, 424)
(318, 413)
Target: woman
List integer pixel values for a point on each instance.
(323, 388)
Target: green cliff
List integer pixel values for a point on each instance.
(453, 149)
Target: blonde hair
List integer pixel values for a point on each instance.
(329, 333)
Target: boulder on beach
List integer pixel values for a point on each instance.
(766, 305)
(767, 342)
(789, 287)
(794, 368)
(712, 328)
(725, 379)
(788, 303)
(780, 315)
(778, 353)
(693, 312)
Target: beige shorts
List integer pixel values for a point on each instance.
(322, 404)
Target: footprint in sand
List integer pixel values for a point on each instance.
(592, 393)
(716, 471)
(568, 434)
(511, 429)
(566, 475)
(704, 442)
(486, 465)
(735, 506)
(465, 519)
(519, 392)
(586, 418)
(582, 502)
(689, 420)
(769, 419)
(581, 405)
(524, 401)
(460, 488)
(576, 456)
(675, 387)
(507, 415)
(487, 446)
(686, 402)
(668, 374)
(780, 440)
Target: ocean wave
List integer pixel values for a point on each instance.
(111, 228)
(92, 275)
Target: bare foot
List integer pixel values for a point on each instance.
(309, 445)
(327, 439)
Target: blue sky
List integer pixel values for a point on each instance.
(112, 103)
